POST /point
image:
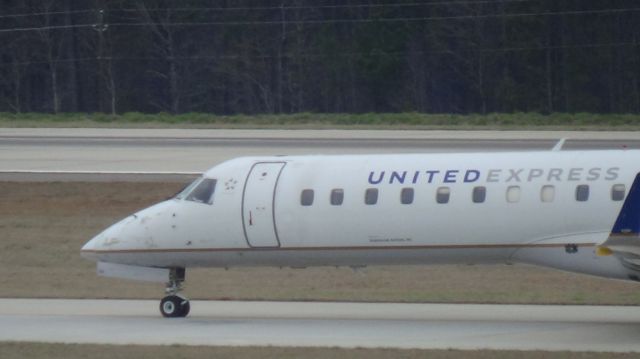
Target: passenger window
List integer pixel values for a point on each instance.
(618, 192)
(443, 194)
(513, 194)
(582, 193)
(406, 196)
(371, 196)
(547, 193)
(479, 194)
(203, 192)
(306, 197)
(337, 196)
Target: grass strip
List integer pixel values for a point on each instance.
(409, 120)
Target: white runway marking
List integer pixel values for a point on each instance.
(428, 326)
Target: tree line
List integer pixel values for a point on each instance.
(289, 56)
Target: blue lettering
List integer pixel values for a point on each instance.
(493, 175)
(471, 176)
(396, 175)
(379, 177)
(415, 177)
(431, 174)
(450, 176)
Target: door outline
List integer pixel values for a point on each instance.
(273, 204)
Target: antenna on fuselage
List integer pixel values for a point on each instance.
(559, 145)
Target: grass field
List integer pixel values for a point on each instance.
(43, 226)
(500, 121)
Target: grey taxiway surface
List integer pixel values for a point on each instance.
(194, 151)
(427, 326)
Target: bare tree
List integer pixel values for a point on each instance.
(105, 60)
(52, 43)
(13, 72)
(285, 56)
(159, 23)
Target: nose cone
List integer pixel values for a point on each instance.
(88, 250)
(142, 230)
(90, 245)
(107, 238)
(91, 249)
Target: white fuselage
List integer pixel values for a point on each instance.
(548, 208)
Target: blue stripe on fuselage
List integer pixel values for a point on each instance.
(629, 218)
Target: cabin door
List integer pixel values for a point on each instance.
(257, 204)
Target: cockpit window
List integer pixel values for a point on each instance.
(203, 191)
(187, 189)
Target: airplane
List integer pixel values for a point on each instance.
(575, 211)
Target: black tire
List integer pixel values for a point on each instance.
(186, 307)
(174, 306)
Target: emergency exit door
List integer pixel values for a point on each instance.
(257, 204)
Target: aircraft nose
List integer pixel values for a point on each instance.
(88, 250)
(90, 245)
(133, 232)
(106, 238)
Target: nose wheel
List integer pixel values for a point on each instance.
(175, 305)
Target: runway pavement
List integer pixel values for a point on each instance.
(176, 152)
(370, 325)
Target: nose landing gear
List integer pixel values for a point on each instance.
(175, 305)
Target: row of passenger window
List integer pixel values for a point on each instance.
(478, 195)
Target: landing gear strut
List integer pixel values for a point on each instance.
(175, 305)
